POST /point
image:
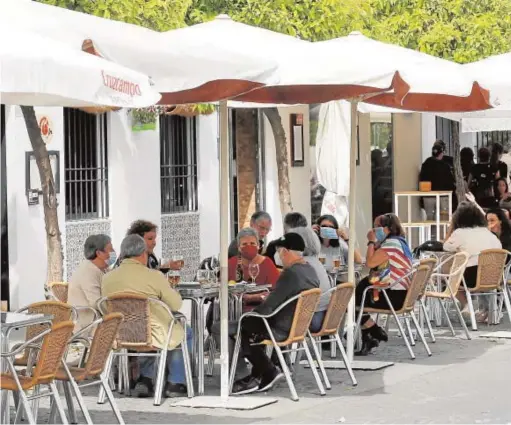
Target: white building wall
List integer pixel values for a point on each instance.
(27, 235)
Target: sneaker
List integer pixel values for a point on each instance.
(175, 390)
(368, 343)
(246, 385)
(144, 387)
(270, 379)
(378, 333)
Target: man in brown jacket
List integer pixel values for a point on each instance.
(133, 275)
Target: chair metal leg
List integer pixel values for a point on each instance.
(70, 405)
(285, 369)
(460, 316)
(320, 361)
(420, 333)
(235, 359)
(428, 321)
(472, 311)
(111, 399)
(126, 374)
(81, 401)
(35, 402)
(188, 368)
(507, 301)
(409, 330)
(346, 360)
(58, 403)
(211, 357)
(108, 373)
(313, 367)
(160, 377)
(447, 318)
(400, 327)
(120, 371)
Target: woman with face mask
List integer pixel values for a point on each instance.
(250, 266)
(390, 259)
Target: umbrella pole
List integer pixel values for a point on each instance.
(224, 244)
(350, 314)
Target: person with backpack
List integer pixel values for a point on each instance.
(482, 180)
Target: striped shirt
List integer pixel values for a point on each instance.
(399, 264)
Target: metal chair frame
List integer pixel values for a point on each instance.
(277, 345)
(160, 353)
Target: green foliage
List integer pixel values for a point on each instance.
(160, 15)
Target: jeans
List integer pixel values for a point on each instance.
(317, 321)
(175, 363)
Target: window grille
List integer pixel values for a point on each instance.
(488, 138)
(86, 165)
(178, 164)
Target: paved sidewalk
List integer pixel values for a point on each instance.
(463, 382)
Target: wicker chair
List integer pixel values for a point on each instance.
(339, 300)
(451, 270)
(491, 280)
(60, 311)
(97, 365)
(51, 353)
(306, 304)
(418, 283)
(135, 335)
(58, 290)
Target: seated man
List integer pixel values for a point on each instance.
(133, 275)
(292, 220)
(85, 284)
(261, 223)
(297, 276)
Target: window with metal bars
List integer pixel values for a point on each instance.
(86, 165)
(178, 164)
(488, 138)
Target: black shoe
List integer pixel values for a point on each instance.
(247, 385)
(368, 343)
(270, 379)
(378, 333)
(175, 390)
(144, 387)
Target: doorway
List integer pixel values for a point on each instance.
(5, 228)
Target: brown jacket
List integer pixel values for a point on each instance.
(132, 276)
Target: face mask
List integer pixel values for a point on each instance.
(278, 260)
(112, 258)
(249, 252)
(328, 233)
(379, 232)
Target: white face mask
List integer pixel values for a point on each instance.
(278, 260)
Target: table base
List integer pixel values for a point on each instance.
(231, 403)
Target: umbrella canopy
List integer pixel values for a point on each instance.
(492, 73)
(420, 82)
(184, 68)
(43, 72)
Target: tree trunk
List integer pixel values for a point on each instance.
(51, 220)
(279, 135)
(461, 189)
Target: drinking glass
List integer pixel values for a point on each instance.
(253, 271)
(322, 258)
(180, 259)
(337, 262)
(203, 276)
(174, 278)
(164, 266)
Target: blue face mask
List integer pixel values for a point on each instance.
(111, 259)
(379, 232)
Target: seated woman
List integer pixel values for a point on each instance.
(333, 244)
(311, 254)
(503, 196)
(390, 259)
(498, 223)
(469, 232)
(238, 267)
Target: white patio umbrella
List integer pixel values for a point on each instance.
(494, 74)
(43, 72)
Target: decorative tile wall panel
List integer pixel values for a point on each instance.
(76, 234)
(180, 236)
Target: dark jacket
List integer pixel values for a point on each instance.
(292, 281)
(439, 173)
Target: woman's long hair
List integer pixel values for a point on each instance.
(467, 215)
(467, 161)
(333, 242)
(391, 222)
(496, 151)
(505, 226)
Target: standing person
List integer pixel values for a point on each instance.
(292, 220)
(333, 244)
(297, 276)
(496, 160)
(446, 158)
(133, 275)
(467, 162)
(439, 173)
(85, 284)
(148, 231)
(482, 180)
(261, 222)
